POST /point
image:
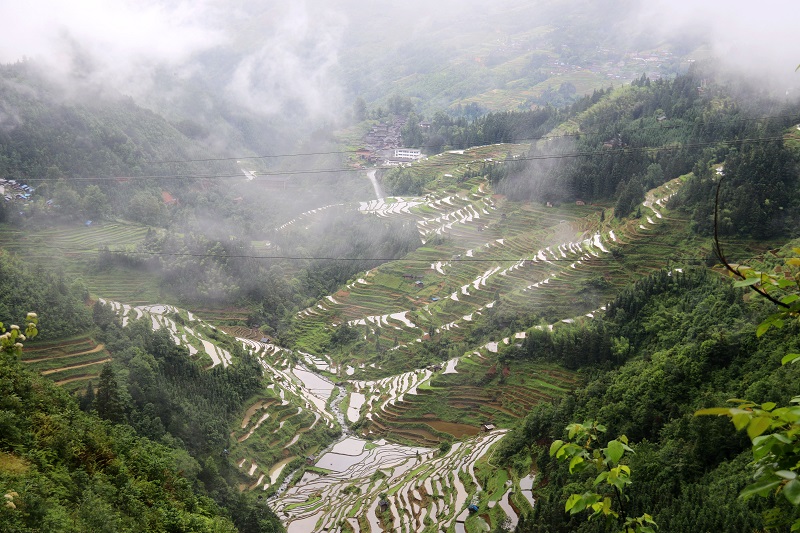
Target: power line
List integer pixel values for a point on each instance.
(565, 155)
(515, 141)
(449, 260)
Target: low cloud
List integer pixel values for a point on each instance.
(277, 58)
(110, 43)
(754, 39)
(269, 58)
(295, 68)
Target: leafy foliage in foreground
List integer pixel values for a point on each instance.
(667, 347)
(582, 452)
(773, 430)
(64, 470)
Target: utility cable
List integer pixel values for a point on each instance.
(450, 259)
(428, 164)
(515, 141)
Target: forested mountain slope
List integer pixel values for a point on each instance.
(124, 465)
(671, 344)
(521, 284)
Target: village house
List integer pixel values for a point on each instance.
(168, 198)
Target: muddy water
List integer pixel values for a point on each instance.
(349, 446)
(526, 485)
(451, 366)
(304, 525)
(505, 504)
(315, 383)
(343, 455)
(357, 399)
(277, 469)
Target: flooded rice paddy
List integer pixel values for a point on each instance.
(418, 482)
(421, 484)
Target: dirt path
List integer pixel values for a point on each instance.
(75, 378)
(96, 349)
(54, 370)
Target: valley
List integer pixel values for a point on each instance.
(344, 267)
(413, 425)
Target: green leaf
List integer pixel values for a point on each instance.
(762, 445)
(575, 462)
(769, 406)
(615, 451)
(782, 438)
(747, 282)
(786, 474)
(555, 447)
(741, 420)
(575, 504)
(572, 429)
(790, 358)
(600, 477)
(758, 426)
(713, 411)
(792, 492)
(763, 327)
(762, 487)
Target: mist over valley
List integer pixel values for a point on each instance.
(358, 266)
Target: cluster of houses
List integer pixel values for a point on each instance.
(11, 190)
(383, 145)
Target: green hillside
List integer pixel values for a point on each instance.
(358, 358)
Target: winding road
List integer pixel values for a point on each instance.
(375, 185)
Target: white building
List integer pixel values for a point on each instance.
(408, 154)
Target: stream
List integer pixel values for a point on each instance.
(346, 432)
(337, 412)
(359, 469)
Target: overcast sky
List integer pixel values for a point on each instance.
(296, 46)
(758, 38)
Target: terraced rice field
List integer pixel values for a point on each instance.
(74, 250)
(426, 490)
(426, 407)
(289, 420)
(539, 260)
(293, 419)
(194, 337)
(70, 362)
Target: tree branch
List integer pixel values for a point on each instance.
(721, 256)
